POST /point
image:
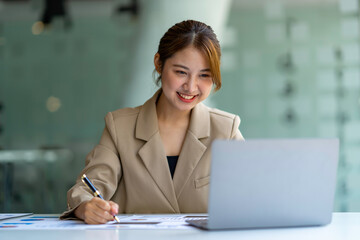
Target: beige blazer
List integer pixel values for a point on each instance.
(129, 165)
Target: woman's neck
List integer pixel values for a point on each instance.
(168, 114)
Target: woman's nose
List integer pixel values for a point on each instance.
(191, 84)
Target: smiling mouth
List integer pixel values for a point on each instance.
(186, 97)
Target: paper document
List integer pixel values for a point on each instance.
(126, 222)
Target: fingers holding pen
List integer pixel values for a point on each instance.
(95, 211)
(103, 208)
(114, 208)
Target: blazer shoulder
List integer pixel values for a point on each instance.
(224, 124)
(217, 113)
(121, 123)
(121, 119)
(125, 112)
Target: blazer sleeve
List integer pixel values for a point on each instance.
(235, 133)
(102, 167)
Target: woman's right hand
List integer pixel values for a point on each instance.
(97, 211)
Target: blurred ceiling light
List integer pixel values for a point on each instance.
(132, 8)
(37, 28)
(53, 104)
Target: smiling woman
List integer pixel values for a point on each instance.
(195, 34)
(186, 79)
(150, 158)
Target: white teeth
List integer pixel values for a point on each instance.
(186, 97)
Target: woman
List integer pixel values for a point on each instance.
(134, 163)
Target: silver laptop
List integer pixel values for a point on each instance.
(271, 183)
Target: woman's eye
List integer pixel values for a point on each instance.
(181, 72)
(204, 75)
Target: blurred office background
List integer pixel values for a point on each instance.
(290, 68)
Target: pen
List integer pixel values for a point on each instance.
(91, 186)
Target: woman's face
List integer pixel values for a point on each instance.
(186, 79)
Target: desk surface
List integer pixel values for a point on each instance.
(344, 226)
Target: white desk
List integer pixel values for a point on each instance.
(345, 226)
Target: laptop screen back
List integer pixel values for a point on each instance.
(272, 183)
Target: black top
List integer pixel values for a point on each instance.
(172, 160)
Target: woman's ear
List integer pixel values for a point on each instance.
(157, 63)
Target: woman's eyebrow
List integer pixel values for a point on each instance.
(182, 66)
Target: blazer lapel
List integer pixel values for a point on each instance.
(193, 148)
(152, 152)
